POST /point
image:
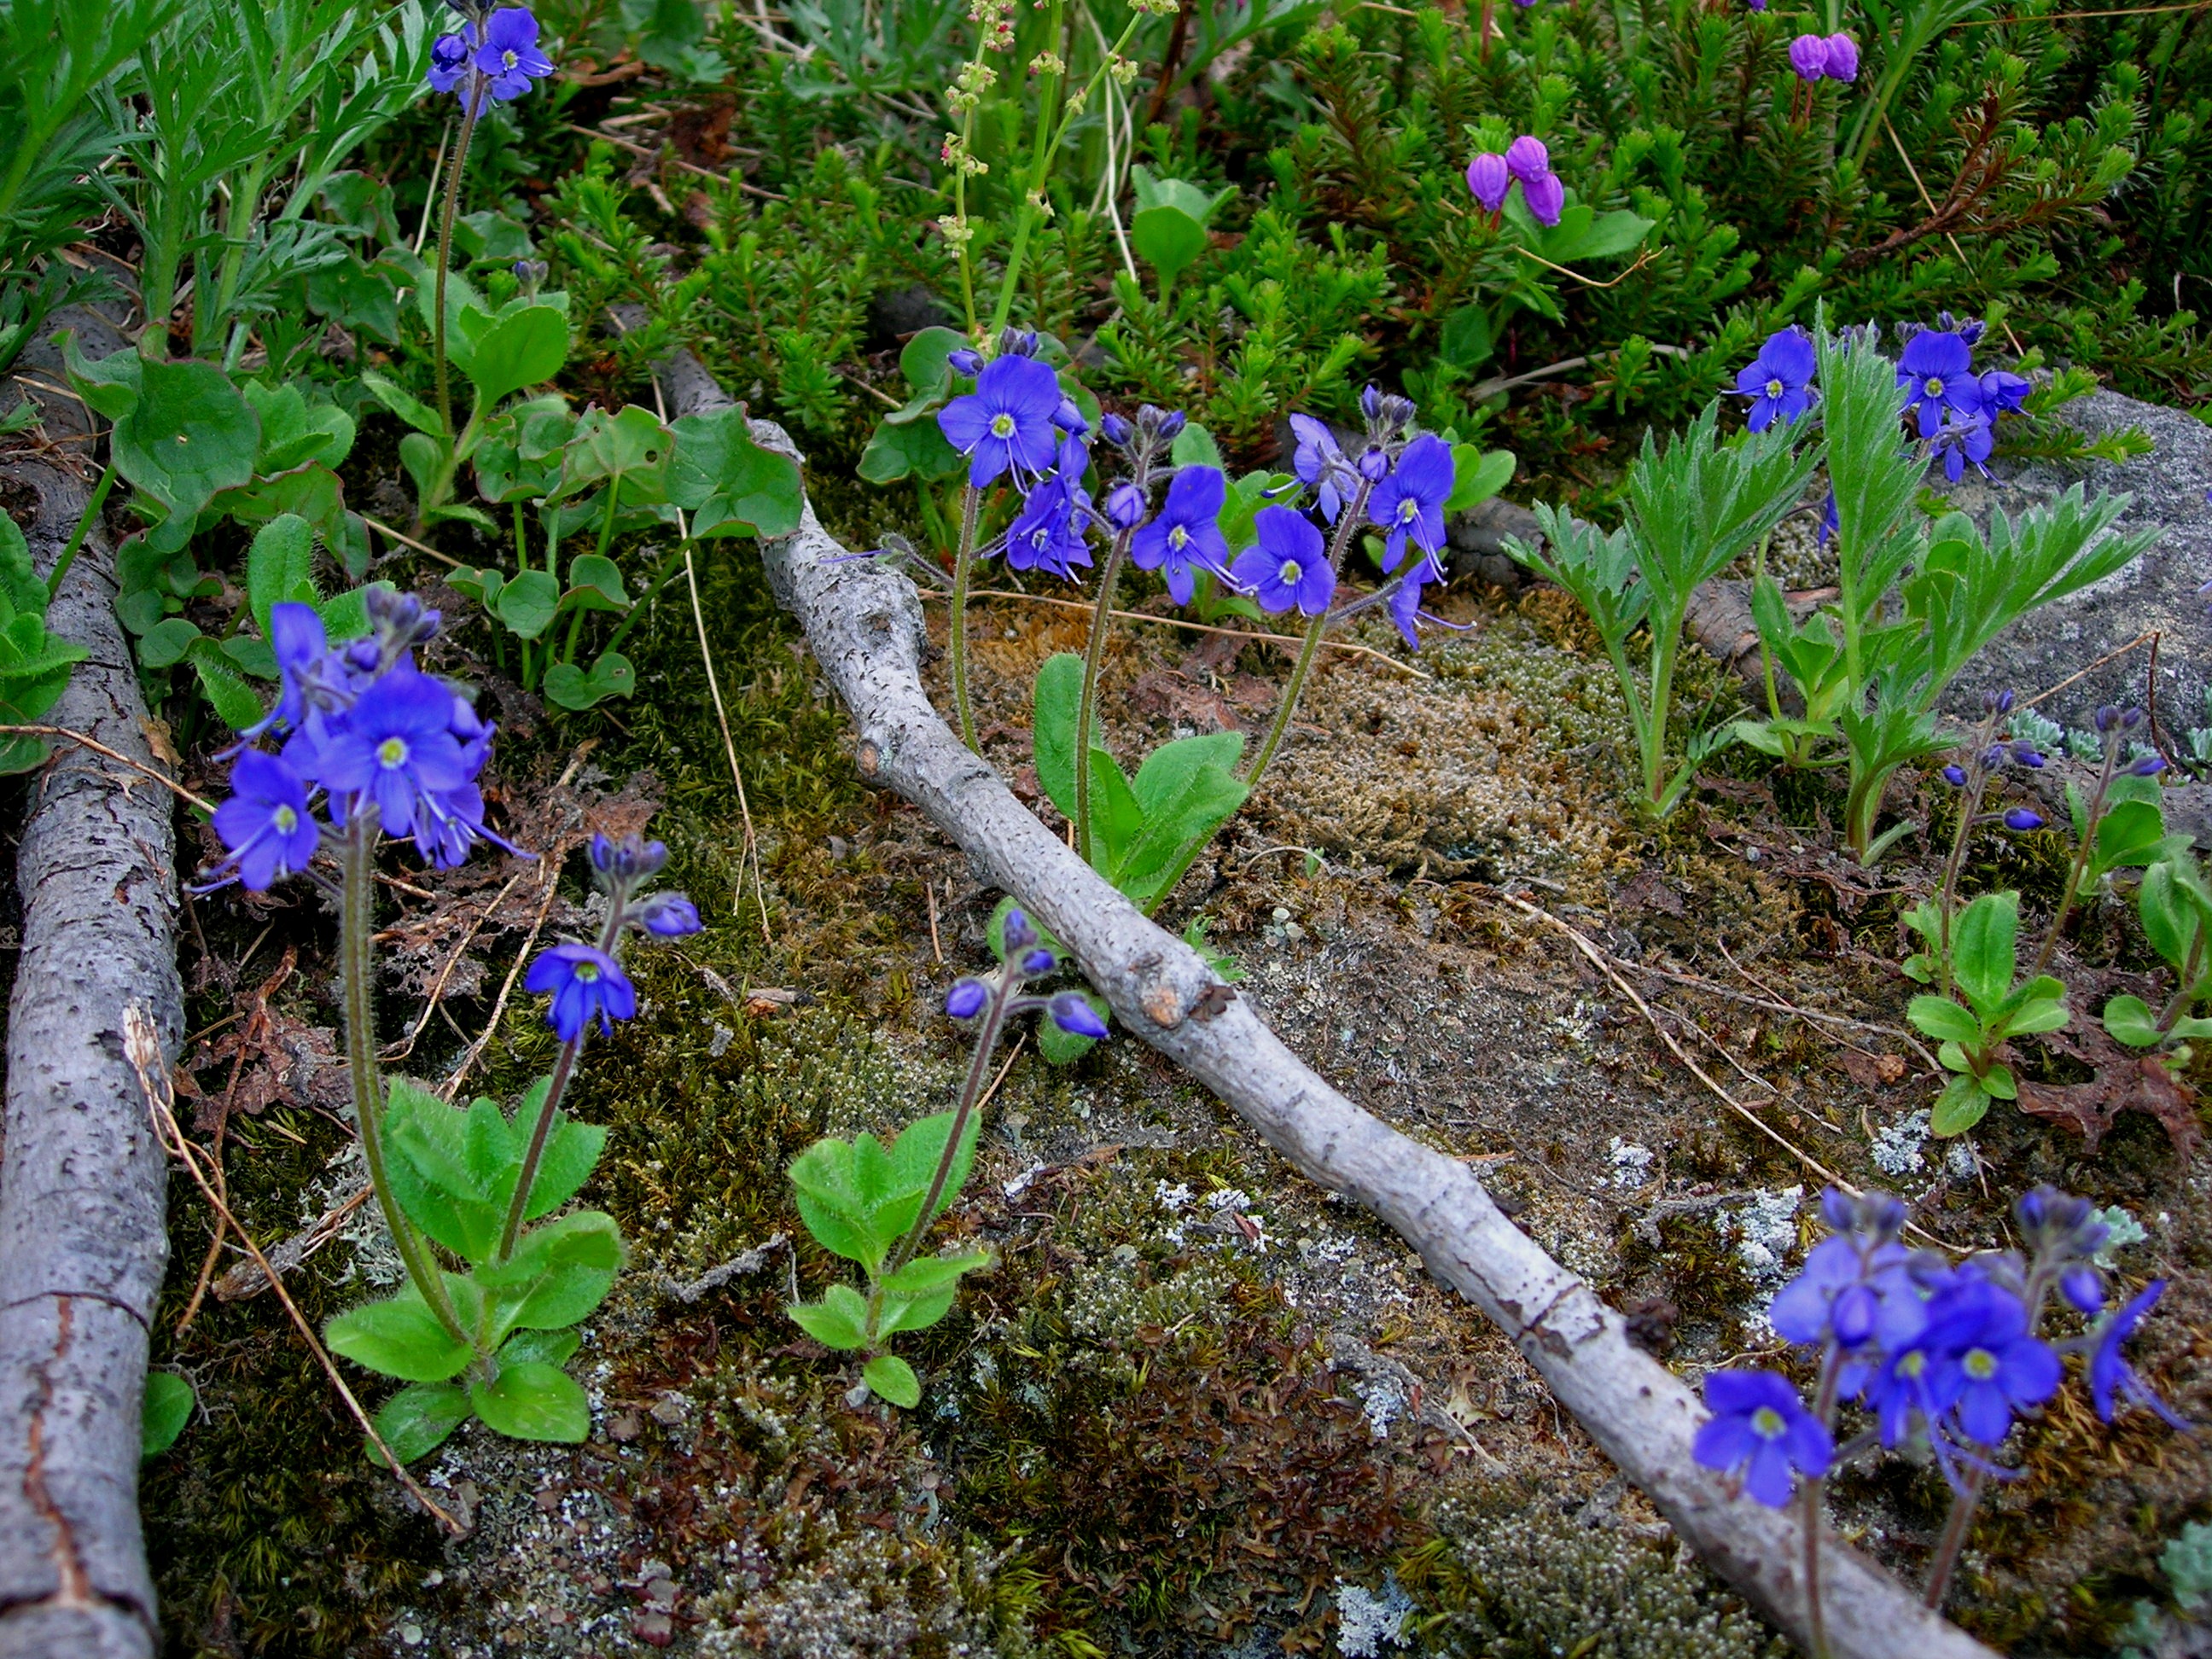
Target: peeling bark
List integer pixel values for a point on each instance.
(864, 623)
(82, 1180)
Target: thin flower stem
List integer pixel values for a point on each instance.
(356, 931)
(2081, 855)
(1970, 803)
(957, 645)
(446, 244)
(84, 523)
(971, 1095)
(1953, 1541)
(1810, 1517)
(1352, 516)
(564, 1068)
(1086, 707)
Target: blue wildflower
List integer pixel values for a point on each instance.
(1048, 534)
(1320, 465)
(1410, 501)
(1761, 1431)
(1984, 1367)
(449, 57)
(1006, 422)
(1964, 438)
(667, 915)
(1488, 179)
(1936, 372)
(1287, 567)
(1185, 539)
(2111, 1378)
(586, 983)
(266, 823)
(394, 746)
(1779, 380)
(2003, 391)
(509, 55)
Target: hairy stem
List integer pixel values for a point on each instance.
(971, 1096)
(1810, 1517)
(2081, 855)
(356, 931)
(1970, 803)
(446, 245)
(1953, 1541)
(526, 1177)
(1086, 707)
(956, 644)
(1353, 514)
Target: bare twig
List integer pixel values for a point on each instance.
(102, 750)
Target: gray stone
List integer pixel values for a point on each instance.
(2156, 592)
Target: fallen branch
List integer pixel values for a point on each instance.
(864, 623)
(83, 1206)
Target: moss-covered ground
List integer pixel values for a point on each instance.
(1198, 1404)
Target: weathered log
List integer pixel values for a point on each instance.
(82, 1180)
(864, 623)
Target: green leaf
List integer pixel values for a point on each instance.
(231, 697)
(914, 1312)
(894, 1379)
(109, 384)
(595, 583)
(918, 450)
(630, 451)
(926, 361)
(1194, 446)
(1468, 340)
(523, 348)
(833, 1212)
(2038, 1014)
(539, 1347)
(20, 582)
(1982, 949)
(295, 432)
(399, 1337)
(1058, 695)
(533, 1401)
(1194, 200)
(166, 642)
(403, 404)
(1477, 475)
(1997, 1084)
(567, 686)
(560, 1271)
(280, 567)
(2130, 1020)
(572, 1150)
(927, 1273)
(1613, 234)
(2170, 916)
(1116, 820)
(416, 1421)
(529, 602)
(1944, 1019)
(733, 486)
(190, 434)
(168, 1407)
(2131, 835)
(915, 1157)
(1958, 1107)
(1167, 238)
(839, 1320)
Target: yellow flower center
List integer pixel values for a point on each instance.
(588, 972)
(392, 753)
(1913, 1363)
(1766, 1423)
(1980, 1364)
(1774, 388)
(285, 819)
(507, 58)
(1178, 538)
(1288, 575)
(1934, 386)
(1002, 425)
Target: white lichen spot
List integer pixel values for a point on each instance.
(1384, 1398)
(1960, 1160)
(1764, 1231)
(1897, 1146)
(1632, 1163)
(1365, 1620)
(1170, 1199)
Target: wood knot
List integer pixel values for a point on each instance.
(868, 758)
(1163, 1003)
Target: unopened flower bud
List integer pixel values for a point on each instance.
(1068, 418)
(1038, 961)
(1116, 430)
(2149, 766)
(1124, 506)
(1955, 776)
(966, 999)
(1073, 1013)
(668, 915)
(1997, 703)
(2022, 820)
(1017, 933)
(2106, 717)
(1172, 422)
(964, 360)
(2083, 1287)
(2026, 754)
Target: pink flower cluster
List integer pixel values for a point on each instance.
(1528, 163)
(1835, 58)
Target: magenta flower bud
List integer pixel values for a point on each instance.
(1489, 178)
(2023, 820)
(966, 999)
(1546, 197)
(1527, 160)
(1074, 1015)
(1809, 55)
(1842, 59)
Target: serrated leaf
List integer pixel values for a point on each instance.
(542, 1347)
(280, 567)
(560, 1271)
(839, 1321)
(894, 1379)
(1958, 1109)
(932, 1273)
